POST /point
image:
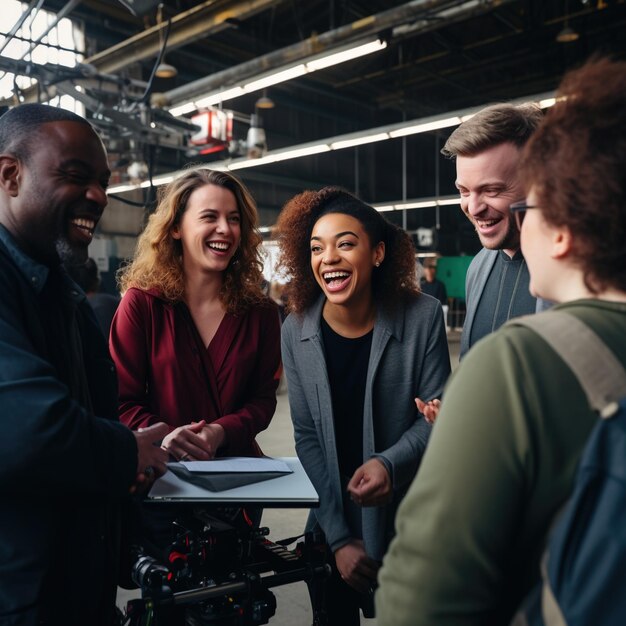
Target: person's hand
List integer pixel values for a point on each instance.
(213, 436)
(355, 567)
(429, 409)
(151, 458)
(186, 443)
(371, 484)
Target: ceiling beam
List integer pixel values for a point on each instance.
(422, 15)
(208, 18)
(200, 22)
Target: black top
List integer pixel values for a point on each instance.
(505, 295)
(346, 364)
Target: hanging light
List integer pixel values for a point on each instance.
(164, 70)
(264, 102)
(567, 34)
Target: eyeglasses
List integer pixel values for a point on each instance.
(519, 211)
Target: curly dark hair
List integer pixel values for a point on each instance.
(394, 281)
(575, 165)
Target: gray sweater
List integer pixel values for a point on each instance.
(409, 358)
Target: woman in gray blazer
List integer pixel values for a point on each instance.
(361, 343)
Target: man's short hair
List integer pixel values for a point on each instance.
(492, 126)
(19, 125)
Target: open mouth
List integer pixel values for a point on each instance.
(218, 246)
(337, 280)
(486, 224)
(83, 227)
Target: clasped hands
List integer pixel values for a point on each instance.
(197, 441)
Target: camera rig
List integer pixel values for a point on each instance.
(219, 570)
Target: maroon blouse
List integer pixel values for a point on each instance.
(166, 373)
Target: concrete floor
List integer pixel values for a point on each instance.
(293, 606)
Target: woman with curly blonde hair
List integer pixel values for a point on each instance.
(360, 345)
(195, 341)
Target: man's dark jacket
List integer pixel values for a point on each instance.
(64, 473)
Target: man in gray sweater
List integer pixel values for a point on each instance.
(487, 149)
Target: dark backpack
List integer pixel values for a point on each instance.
(584, 565)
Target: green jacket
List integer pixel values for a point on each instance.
(500, 463)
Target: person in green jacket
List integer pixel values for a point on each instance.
(514, 420)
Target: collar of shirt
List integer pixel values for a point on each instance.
(36, 273)
(516, 258)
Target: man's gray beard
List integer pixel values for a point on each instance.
(70, 255)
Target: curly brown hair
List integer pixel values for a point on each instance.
(394, 281)
(575, 165)
(158, 260)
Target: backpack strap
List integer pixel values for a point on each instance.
(603, 379)
(600, 374)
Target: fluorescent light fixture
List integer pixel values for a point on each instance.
(358, 141)
(424, 128)
(344, 141)
(418, 204)
(216, 98)
(346, 55)
(273, 79)
(415, 205)
(547, 103)
(300, 152)
(183, 109)
(279, 156)
(121, 188)
(279, 76)
(158, 180)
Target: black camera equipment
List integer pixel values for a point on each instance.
(220, 569)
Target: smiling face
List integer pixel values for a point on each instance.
(488, 184)
(209, 230)
(60, 192)
(343, 259)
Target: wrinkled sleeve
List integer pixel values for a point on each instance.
(49, 443)
(309, 449)
(243, 425)
(130, 350)
(459, 517)
(406, 454)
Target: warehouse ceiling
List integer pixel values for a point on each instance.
(440, 56)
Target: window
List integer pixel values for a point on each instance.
(61, 46)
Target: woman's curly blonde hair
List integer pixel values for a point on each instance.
(158, 260)
(394, 281)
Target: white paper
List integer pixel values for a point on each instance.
(238, 464)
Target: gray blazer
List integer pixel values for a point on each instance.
(409, 357)
(475, 281)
